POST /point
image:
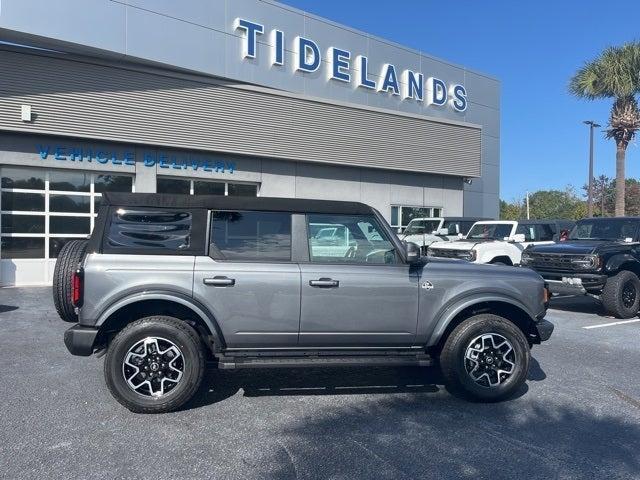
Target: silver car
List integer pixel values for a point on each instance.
(167, 282)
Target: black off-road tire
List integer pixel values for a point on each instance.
(452, 358)
(172, 329)
(614, 293)
(70, 256)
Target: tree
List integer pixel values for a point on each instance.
(614, 74)
(546, 204)
(556, 204)
(604, 196)
(510, 211)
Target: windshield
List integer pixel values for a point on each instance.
(419, 227)
(604, 229)
(489, 231)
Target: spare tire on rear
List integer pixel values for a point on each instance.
(70, 256)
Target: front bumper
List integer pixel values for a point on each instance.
(544, 329)
(79, 340)
(559, 283)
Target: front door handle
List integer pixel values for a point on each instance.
(219, 282)
(324, 283)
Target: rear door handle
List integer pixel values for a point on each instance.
(324, 283)
(219, 282)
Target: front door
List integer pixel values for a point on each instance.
(248, 281)
(359, 296)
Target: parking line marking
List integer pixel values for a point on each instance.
(623, 322)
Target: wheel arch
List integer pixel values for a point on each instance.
(134, 307)
(506, 307)
(623, 262)
(502, 258)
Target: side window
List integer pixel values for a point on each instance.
(465, 227)
(545, 233)
(529, 232)
(348, 239)
(251, 236)
(153, 230)
(454, 228)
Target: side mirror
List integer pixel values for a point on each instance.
(413, 252)
(442, 231)
(460, 236)
(399, 230)
(519, 238)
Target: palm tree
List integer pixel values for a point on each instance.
(615, 74)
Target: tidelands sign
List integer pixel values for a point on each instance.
(343, 66)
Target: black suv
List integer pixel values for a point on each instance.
(601, 258)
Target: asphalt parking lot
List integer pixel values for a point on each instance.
(579, 416)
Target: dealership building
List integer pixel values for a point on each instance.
(228, 97)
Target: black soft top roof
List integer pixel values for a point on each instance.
(218, 202)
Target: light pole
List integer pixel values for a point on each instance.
(592, 125)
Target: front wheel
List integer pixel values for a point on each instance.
(485, 358)
(621, 295)
(154, 365)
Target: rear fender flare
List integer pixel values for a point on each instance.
(201, 311)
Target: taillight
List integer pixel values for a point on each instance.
(77, 281)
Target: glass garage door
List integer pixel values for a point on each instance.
(205, 187)
(41, 210)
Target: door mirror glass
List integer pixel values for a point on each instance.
(443, 231)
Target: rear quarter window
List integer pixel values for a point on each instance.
(154, 231)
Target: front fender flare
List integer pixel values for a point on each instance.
(452, 309)
(179, 298)
(614, 263)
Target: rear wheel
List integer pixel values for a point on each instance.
(485, 358)
(154, 365)
(621, 295)
(70, 256)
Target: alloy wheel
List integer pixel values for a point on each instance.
(153, 367)
(489, 360)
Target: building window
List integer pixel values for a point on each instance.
(205, 187)
(401, 215)
(41, 210)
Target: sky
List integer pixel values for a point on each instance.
(533, 48)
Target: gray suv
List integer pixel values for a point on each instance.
(167, 283)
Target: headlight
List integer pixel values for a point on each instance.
(526, 259)
(431, 252)
(469, 255)
(587, 262)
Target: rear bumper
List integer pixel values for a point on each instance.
(79, 340)
(544, 329)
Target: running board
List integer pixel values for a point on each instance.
(237, 362)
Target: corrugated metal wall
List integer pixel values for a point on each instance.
(79, 98)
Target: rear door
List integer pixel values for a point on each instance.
(248, 281)
(364, 297)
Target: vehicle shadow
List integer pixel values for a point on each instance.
(400, 436)
(8, 308)
(218, 385)
(578, 304)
